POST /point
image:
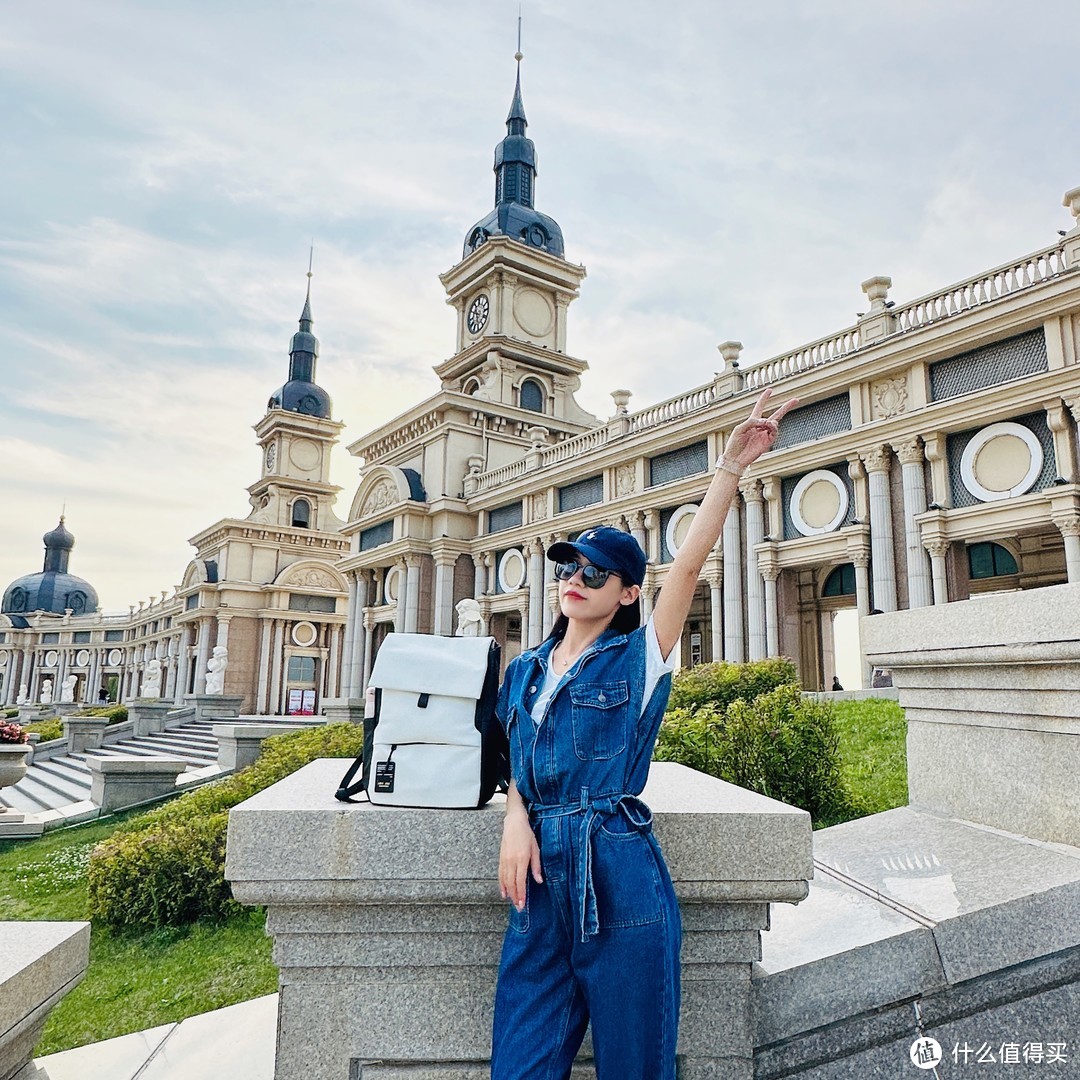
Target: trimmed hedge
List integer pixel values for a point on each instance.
(116, 714)
(778, 743)
(718, 685)
(167, 867)
(48, 729)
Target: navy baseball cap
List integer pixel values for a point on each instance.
(610, 549)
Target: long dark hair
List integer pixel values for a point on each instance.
(627, 617)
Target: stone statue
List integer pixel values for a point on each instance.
(469, 618)
(215, 670)
(67, 690)
(24, 695)
(46, 692)
(151, 687)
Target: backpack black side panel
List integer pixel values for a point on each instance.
(347, 789)
(494, 749)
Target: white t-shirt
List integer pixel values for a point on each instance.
(655, 669)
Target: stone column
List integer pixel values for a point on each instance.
(350, 632)
(551, 606)
(412, 600)
(369, 647)
(265, 630)
(277, 650)
(443, 622)
(772, 613)
(333, 681)
(636, 521)
(185, 664)
(716, 615)
(883, 563)
(938, 549)
(733, 585)
(489, 564)
(9, 678)
(920, 590)
(652, 536)
(402, 597)
(1070, 531)
(202, 655)
(171, 663)
(862, 582)
(355, 659)
(536, 592)
(223, 630)
(755, 534)
(479, 575)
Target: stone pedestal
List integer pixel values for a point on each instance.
(213, 706)
(343, 710)
(84, 732)
(387, 923)
(991, 689)
(116, 783)
(148, 715)
(29, 714)
(240, 744)
(39, 963)
(67, 708)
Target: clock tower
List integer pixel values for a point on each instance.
(295, 438)
(511, 292)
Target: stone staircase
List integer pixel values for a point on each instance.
(56, 787)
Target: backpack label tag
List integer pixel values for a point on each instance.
(384, 775)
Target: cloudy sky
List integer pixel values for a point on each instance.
(723, 170)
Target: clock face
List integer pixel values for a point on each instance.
(271, 456)
(478, 314)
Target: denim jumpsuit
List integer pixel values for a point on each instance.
(599, 939)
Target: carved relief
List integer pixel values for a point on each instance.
(877, 459)
(313, 579)
(382, 495)
(888, 397)
(625, 480)
(538, 510)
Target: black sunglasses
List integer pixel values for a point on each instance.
(591, 576)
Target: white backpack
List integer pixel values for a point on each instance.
(434, 740)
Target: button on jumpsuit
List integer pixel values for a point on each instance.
(599, 939)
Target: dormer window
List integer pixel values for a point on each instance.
(471, 386)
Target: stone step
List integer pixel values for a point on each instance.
(70, 789)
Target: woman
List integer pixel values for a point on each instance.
(594, 925)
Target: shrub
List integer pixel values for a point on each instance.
(719, 684)
(50, 729)
(167, 867)
(116, 714)
(7, 714)
(780, 744)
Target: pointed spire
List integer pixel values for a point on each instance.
(305, 315)
(515, 121)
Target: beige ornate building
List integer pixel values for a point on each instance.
(265, 586)
(933, 456)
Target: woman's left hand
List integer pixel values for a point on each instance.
(756, 434)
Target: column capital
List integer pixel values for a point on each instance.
(937, 549)
(444, 557)
(752, 490)
(715, 578)
(636, 519)
(876, 458)
(770, 572)
(536, 546)
(412, 560)
(861, 559)
(910, 452)
(1068, 526)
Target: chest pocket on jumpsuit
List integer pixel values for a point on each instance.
(598, 716)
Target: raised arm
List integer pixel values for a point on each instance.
(746, 443)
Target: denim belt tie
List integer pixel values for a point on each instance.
(593, 812)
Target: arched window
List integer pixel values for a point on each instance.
(531, 396)
(471, 386)
(988, 560)
(841, 582)
(301, 514)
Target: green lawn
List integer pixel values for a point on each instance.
(873, 754)
(135, 980)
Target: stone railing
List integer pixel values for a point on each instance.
(481, 482)
(982, 289)
(673, 408)
(570, 448)
(823, 351)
